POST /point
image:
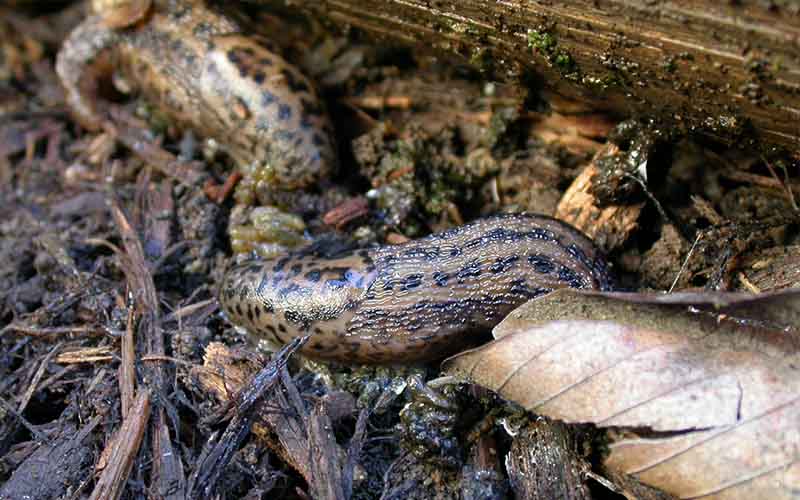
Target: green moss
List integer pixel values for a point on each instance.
(564, 62)
(423, 176)
(670, 64)
(545, 43)
(482, 60)
(601, 83)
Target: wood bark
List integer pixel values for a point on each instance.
(712, 66)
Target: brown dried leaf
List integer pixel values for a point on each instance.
(714, 379)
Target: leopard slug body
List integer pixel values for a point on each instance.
(198, 68)
(415, 301)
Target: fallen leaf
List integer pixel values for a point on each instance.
(705, 386)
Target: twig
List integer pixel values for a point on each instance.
(122, 450)
(685, 263)
(214, 459)
(38, 377)
(44, 332)
(784, 184)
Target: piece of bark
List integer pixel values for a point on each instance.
(326, 466)
(707, 65)
(153, 202)
(770, 269)
(247, 401)
(53, 467)
(122, 450)
(608, 226)
(483, 477)
(543, 463)
(412, 478)
(302, 438)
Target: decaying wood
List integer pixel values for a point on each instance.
(608, 226)
(706, 65)
(212, 463)
(149, 336)
(544, 463)
(122, 450)
(302, 437)
(58, 465)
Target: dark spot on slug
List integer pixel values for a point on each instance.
(503, 264)
(267, 98)
(310, 108)
(542, 234)
(522, 288)
(284, 112)
(577, 253)
(295, 270)
(440, 278)
(569, 276)
(541, 263)
(448, 233)
(295, 83)
(412, 281)
(471, 270)
(292, 288)
(285, 136)
(280, 264)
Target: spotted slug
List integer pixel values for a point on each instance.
(198, 68)
(415, 301)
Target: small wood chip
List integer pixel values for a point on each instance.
(609, 227)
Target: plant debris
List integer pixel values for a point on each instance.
(120, 378)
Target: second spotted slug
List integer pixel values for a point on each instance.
(415, 301)
(198, 68)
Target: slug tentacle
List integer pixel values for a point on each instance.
(415, 301)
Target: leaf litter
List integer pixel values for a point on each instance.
(701, 391)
